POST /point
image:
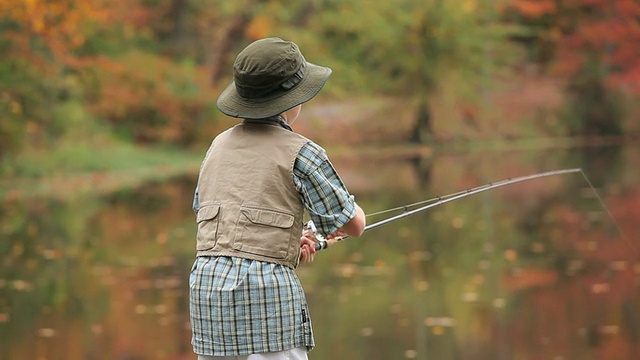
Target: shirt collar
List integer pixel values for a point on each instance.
(273, 119)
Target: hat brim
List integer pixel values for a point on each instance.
(232, 104)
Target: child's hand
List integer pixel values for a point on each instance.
(337, 234)
(307, 247)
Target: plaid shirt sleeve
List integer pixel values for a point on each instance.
(323, 193)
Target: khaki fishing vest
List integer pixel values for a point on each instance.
(249, 206)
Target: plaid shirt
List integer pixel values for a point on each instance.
(240, 306)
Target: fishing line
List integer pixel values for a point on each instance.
(440, 200)
(613, 219)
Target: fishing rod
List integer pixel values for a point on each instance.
(440, 200)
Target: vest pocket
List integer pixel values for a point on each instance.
(208, 220)
(264, 232)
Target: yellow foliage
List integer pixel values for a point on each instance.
(469, 6)
(58, 23)
(259, 27)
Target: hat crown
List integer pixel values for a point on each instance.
(270, 76)
(265, 65)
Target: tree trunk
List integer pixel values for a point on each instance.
(422, 133)
(178, 12)
(221, 50)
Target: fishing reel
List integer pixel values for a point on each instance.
(322, 241)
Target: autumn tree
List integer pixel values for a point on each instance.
(596, 45)
(400, 48)
(69, 63)
(38, 40)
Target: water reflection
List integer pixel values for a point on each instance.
(534, 270)
(96, 278)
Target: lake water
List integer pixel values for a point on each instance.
(534, 270)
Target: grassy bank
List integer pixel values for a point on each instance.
(78, 169)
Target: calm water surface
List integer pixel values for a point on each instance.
(535, 270)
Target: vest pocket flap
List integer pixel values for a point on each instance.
(208, 212)
(268, 217)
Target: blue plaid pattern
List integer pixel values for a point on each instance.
(240, 306)
(326, 198)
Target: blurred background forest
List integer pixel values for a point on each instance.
(107, 107)
(94, 75)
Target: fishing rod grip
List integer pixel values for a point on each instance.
(323, 244)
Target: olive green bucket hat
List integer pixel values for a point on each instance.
(270, 76)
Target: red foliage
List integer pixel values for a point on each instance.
(602, 30)
(131, 12)
(535, 8)
(626, 209)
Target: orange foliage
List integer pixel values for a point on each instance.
(130, 12)
(530, 278)
(58, 24)
(158, 98)
(259, 27)
(154, 98)
(535, 8)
